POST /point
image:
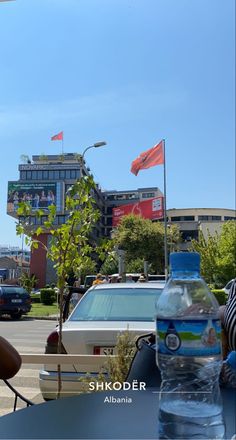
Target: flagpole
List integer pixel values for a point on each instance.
(62, 144)
(165, 214)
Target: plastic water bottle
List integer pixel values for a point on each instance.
(189, 354)
(229, 369)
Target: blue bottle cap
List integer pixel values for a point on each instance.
(185, 261)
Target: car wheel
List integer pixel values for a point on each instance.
(16, 315)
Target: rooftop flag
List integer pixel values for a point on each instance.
(150, 158)
(57, 137)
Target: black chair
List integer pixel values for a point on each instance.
(143, 367)
(17, 395)
(10, 363)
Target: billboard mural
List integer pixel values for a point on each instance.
(38, 195)
(151, 209)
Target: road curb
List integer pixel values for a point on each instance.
(45, 318)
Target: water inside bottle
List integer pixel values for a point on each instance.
(179, 419)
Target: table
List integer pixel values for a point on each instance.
(87, 416)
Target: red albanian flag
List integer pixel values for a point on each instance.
(57, 137)
(148, 159)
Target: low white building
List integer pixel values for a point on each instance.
(193, 220)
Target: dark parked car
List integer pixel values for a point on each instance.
(14, 301)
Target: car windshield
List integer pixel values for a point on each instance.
(124, 304)
(13, 289)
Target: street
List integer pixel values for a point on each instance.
(27, 336)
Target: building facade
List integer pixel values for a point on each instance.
(114, 199)
(43, 181)
(46, 179)
(14, 251)
(192, 220)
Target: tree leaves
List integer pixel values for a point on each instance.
(218, 262)
(143, 239)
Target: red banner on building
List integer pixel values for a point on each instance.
(151, 209)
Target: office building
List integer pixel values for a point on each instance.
(46, 179)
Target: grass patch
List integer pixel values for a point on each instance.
(42, 310)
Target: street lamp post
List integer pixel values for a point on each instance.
(96, 145)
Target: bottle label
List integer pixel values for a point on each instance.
(189, 337)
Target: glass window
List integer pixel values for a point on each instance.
(45, 175)
(13, 289)
(67, 174)
(188, 218)
(117, 304)
(61, 219)
(40, 175)
(72, 174)
(56, 175)
(51, 175)
(175, 219)
(148, 195)
(216, 217)
(109, 221)
(62, 174)
(203, 217)
(23, 175)
(28, 175)
(109, 210)
(34, 175)
(228, 217)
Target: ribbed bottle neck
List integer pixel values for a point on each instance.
(182, 274)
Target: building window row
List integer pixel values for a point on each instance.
(209, 218)
(183, 218)
(121, 197)
(39, 221)
(49, 174)
(148, 195)
(228, 217)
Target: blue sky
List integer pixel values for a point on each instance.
(129, 72)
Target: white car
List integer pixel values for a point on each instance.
(92, 328)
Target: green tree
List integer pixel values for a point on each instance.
(89, 267)
(143, 239)
(28, 281)
(69, 247)
(218, 254)
(208, 248)
(135, 266)
(226, 260)
(110, 264)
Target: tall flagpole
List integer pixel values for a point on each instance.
(165, 215)
(62, 143)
